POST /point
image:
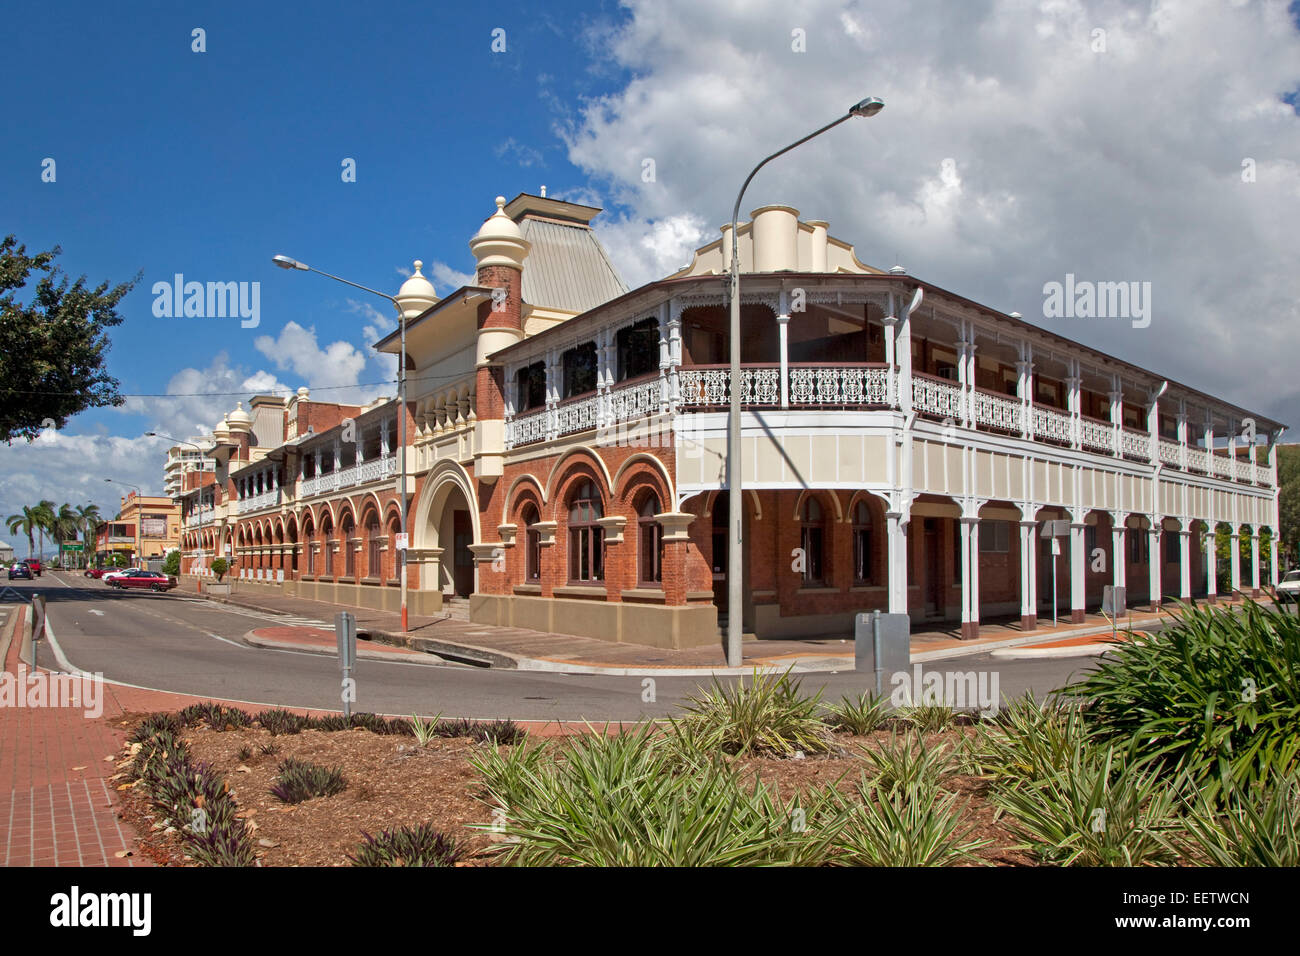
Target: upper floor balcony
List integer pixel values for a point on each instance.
(871, 387)
(862, 344)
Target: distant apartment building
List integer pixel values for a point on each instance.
(903, 448)
(146, 527)
(182, 459)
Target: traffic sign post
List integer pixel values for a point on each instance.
(345, 631)
(38, 617)
(1114, 601)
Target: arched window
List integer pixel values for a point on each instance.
(812, 539)
(308, 541)
(864, 571)
(586, 537)
(649, 569)
(326, 538)
(532, 545)
(349, 549)
(374, 545)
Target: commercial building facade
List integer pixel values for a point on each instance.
(903, 448)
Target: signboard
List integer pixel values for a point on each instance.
(403, 541)
(153, 526)
(886, 640)
(1114, 600)
(72, 546)
(1056, 529)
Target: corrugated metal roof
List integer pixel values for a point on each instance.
(567, 267)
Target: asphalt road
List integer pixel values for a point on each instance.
(191, 646)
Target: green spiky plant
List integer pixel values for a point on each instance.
(1096, 810)
(1258, 828)
(905, 762)
(911, 825)
(1216, 694)
(858, 715)
(623, 800)
(768, 714)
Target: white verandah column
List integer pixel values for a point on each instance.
(1153, 561)
(1028, 575)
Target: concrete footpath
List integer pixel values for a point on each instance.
(458, 641)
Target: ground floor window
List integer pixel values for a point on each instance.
(812, 539)
(532, 545)
(375, 543)
(863, 564)
(650, 537)
(586, 536)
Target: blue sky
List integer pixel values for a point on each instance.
(1011, 152)
(207, 163)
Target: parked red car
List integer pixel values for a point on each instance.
(34, 564)
(153, 580)
(97, 572)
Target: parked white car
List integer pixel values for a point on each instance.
(117, 574)
(1289, 587)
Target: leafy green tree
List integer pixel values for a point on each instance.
(1223, 555)
(52, 347)
(1288, 482)
(219, 568)
(172, 563)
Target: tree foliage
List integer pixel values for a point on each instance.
(52, 347)
(1288, 482)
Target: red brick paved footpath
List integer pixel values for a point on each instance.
(57, 805)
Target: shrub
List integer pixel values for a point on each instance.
(219, 567)
(195, 798)
(493, 731)
(929, 718)
(299, 780)
(903, 763)
(154, 724)
(1215, 694)
(278, 721)
(424, 731)
(217, 716)
(769, 715)
(909, 825)
(858, 715)
(1094, 811)
(1028, 741)
(1261, 828)
(619, 800)
(408, 846)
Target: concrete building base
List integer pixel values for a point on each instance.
(622, 622)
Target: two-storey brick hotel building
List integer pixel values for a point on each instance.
(903, 448)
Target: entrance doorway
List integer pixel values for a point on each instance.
(462, 557)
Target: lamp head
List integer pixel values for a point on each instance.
(284, 262)
(868, 107)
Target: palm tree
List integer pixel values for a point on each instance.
(88, 519)
(27, 522)
(63, 526)
(46, 513)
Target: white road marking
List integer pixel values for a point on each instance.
(96, 611)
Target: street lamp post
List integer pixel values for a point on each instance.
(284, 262)
(735, 590)
(197, 448)
(139, 545)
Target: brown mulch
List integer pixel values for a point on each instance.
(392, 781)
